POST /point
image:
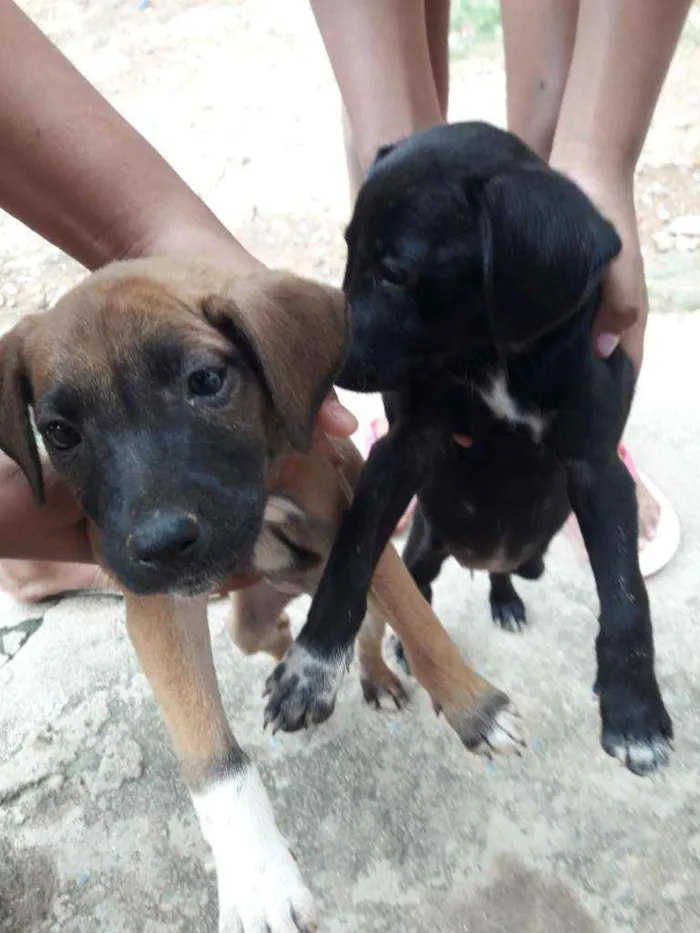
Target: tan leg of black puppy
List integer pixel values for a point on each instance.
(259, 883)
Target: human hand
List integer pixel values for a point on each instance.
(623, 315)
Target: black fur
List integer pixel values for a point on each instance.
(468, 258)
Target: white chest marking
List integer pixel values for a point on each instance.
(506, 408)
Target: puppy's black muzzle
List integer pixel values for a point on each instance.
(185, 550)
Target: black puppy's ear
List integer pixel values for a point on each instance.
(297, 332)
(382, 153)
(547, 247)
(16, 432)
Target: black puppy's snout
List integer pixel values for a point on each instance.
(164, 537)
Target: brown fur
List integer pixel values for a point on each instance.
(297, 331)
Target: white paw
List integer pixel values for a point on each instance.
(504, 734)
(489, 726)
(260, 887)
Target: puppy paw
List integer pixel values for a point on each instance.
(260, 887)
(637, 730)
(509, 613)
(276, 910)
(379, 682)
(301, 690)
(489, 725)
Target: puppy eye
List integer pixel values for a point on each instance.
(394, 274)
(61, 436)
(205, 383)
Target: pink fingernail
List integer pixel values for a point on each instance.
(342, 417)
(606, 344)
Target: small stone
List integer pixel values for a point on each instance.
(683, 123)
(686, 244)
(694, 846)
(13, 641)
(122, 760)
(54, 783)
(673, 892)
(663, 241)
(168, 902)
(689, 226)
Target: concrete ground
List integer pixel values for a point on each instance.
(398, 829)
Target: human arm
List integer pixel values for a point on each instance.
(621, 57)
(74, 171)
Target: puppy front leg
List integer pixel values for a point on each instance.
(260, 887)
(303, 687)
(635, 725)
(482, 716)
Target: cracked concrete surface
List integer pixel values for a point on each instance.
(398, 829)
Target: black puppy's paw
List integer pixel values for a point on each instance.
(302, 689)
(637, 730)
(508, 611)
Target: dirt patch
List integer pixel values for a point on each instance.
(28, 887)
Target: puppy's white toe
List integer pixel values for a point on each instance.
(506, 733)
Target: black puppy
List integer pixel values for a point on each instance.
(473, 278)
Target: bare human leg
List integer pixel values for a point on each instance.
(565, 101)
(402, 46)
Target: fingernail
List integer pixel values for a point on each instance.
(606, 344)
(342, 417)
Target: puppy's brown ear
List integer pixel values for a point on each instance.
(16, 433)
(297, 331)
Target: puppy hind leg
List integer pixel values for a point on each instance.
(531, 569)
(424, 556)
(507, 608)
(376, 678)
(258, 622)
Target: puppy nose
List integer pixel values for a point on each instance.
(164, 537)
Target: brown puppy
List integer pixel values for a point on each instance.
(178, 404)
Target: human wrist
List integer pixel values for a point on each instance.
(603, 168)
(173, 236)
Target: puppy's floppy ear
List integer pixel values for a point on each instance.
(16, 432)
(297, 331)
(546, 248)
(382, 153)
